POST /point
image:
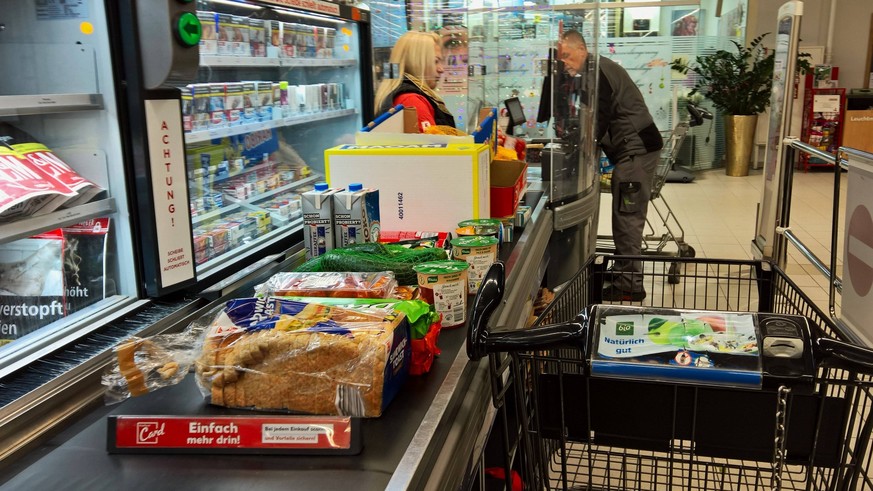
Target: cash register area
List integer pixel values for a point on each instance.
(718, 213)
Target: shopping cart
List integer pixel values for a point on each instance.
(655, 242)
(563, 427)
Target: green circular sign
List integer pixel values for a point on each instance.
(188, 29)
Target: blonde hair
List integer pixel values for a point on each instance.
(414, 55)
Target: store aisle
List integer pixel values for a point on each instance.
(718, 216)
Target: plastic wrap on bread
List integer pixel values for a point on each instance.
(329, 284)
(277, 355)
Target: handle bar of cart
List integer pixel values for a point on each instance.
(698, 114)
(482, 341)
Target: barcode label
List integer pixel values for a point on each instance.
(349, 401)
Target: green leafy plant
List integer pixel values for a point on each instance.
(740, 82)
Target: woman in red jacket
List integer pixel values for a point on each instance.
(419, 57)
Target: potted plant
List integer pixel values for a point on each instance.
(738, 84)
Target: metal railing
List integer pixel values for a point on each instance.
(784, 234)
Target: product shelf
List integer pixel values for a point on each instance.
(231, 256)
(224, 61)
(317, 62)
(21, 229)
(245, 171)
(21, 105)
(211, 134)
(235, 204)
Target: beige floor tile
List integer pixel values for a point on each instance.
(718, 214)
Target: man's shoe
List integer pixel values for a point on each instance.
(613, 294)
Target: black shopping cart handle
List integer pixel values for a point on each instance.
(844, 355)
(487, 300)
(481, 341)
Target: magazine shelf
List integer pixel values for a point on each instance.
(28, 227)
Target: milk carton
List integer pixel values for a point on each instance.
(318, 226)
(356, 215)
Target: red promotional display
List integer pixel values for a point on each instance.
(234, 434)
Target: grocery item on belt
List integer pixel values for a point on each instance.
(444, 285)
(276, 354)
(329, 284)
(479, 252)
(376, 257)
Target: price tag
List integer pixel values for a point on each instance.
(234, 434)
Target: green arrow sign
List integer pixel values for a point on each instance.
(188, 29)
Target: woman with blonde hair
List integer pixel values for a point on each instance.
(420, 60)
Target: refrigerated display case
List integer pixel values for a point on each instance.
(66, 259)
(275, 88)
(271, 85)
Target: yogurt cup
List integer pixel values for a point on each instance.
(479, 252)
(444, 285)
(481, 226)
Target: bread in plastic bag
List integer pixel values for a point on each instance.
(282, 355)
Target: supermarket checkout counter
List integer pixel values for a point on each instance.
(430, 437)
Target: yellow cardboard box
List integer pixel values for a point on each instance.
(422, 187)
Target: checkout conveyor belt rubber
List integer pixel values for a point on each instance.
(38, 373)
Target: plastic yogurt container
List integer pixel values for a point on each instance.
(444, 285)
(482, 226)
(479, 252)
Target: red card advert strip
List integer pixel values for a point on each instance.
(242, 432)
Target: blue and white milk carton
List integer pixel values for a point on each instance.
(318, 224)
(356, 215)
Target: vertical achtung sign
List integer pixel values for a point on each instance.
(170, 191)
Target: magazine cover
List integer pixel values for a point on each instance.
(718, 348)
(54, 170)
(85, 275)
(23, 190)
(31, 284)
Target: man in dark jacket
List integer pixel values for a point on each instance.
(628, 136)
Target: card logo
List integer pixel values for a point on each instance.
(148, 432)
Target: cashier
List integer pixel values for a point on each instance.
(419, 57)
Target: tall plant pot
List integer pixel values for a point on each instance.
(739, 135)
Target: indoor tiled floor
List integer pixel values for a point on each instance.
(718, 215)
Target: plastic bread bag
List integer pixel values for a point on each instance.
(275, 354)
(143, 365)
(329, 284)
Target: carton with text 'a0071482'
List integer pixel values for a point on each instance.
(421, 186)
(508, 179)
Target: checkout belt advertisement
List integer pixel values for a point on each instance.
(695, 347)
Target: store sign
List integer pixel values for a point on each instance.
(826, 103)
(282, 434)
(170, 191)
(856, 307)
(310, 5)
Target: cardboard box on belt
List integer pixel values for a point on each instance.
(318, 223)
(422, 186)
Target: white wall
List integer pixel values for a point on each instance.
(850, 37)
